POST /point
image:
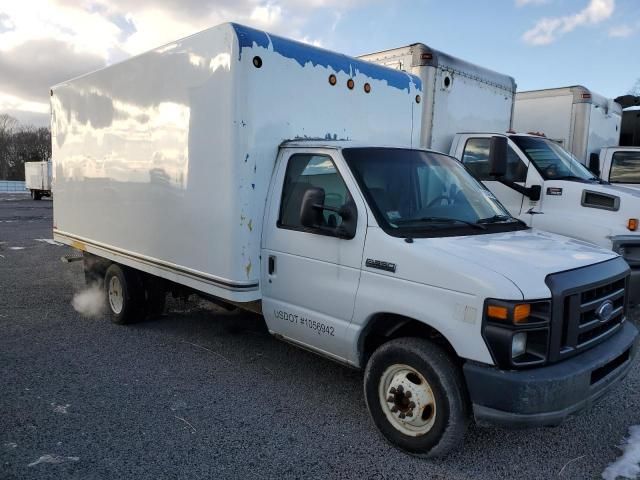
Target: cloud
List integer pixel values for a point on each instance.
(43, 42)
(524, 3)
(29, 69)
(549, 29)
(622, 31)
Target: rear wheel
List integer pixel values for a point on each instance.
(35, 195)
(416, 397)
(124, 294)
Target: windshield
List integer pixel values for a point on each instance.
(625, 167)
(414, 190)
(552, 161)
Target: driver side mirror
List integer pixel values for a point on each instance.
(498, 156)
(311, 215)
(594, 164)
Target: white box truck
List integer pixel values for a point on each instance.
(37, 176)
(543, 185)
(251, 169)
(577, 118)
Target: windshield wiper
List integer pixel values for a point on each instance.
(497, 218)
(405, 221)
(573, 177)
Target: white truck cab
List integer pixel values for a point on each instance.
(619, 166)
(270, 175)
(547, 188)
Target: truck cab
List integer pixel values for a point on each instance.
(547, 188)
(619, 166)
(364, 247)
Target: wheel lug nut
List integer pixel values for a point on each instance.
(393, 390)
(400, 389)
(394, 409)
(390, 399)
(409, 413)
(402, 415)
(412, 405)
(408, 394)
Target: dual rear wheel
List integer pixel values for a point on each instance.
(132, 296)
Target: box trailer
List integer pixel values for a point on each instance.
(577, 118)
(252, 170)
(37, 176)
(457, 93)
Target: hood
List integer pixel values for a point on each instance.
(524, 257)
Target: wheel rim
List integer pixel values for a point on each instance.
(115, 293)
(407, 400)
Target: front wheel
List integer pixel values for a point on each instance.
(416, 397)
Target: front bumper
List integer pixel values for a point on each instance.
(546, 396)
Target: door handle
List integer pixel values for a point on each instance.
(272, 264)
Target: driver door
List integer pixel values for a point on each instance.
(310, 277)
(476, 158)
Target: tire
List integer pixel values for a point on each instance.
(432, 420)
(124, 294)
(35, 195)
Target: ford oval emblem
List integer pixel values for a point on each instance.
(604, 311)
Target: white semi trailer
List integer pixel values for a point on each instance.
(542, 184)
(250, 169)
(37, 176)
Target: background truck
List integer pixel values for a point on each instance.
(618, 165)
(456, 93)
(219, 164)
(37, 177)
(577, 118)
(543, 184)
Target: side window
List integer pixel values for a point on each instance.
(625, 167)
(476, 159)
(305, 171)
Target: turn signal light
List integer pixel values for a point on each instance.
(632, 224)
(495, 311)
(521, 313)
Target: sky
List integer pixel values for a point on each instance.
(541, 43)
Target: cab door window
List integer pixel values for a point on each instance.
(476, 159)
(303, 172)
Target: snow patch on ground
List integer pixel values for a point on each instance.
(48, 458)
(60, 408)
(16, 248)
(50, 241)
(628, 464)
(89, 302)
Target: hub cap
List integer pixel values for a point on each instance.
(116, 298)
(407, 400)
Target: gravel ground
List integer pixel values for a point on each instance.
(203, 393)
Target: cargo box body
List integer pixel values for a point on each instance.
(458, 96)
(37, 175)
(163, 161)
(580, 120)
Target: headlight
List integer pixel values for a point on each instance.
(519, 344)
(517, 333)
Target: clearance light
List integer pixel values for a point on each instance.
(350, 84)
(367, 88)
(426, 56)
(586, 96)
(632, 224)
(332, 79)
(418, 99)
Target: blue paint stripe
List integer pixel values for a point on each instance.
(304, 54)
